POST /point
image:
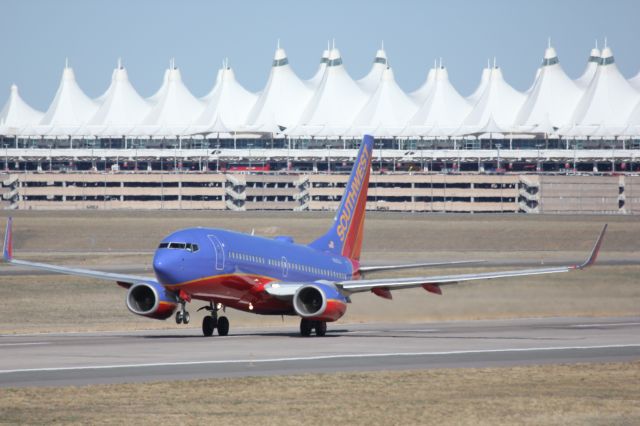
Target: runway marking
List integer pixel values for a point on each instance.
(604, 324)
(430, 330)
(25, 344)
(310, 358)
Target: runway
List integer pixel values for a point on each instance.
(180, 354)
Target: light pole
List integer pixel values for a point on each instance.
(50, 168)
(175, 158)
(498, 146)
(328, 158)
(249, 145)
(218, 157)
(613, 156)
(538, 168)
(380, 144)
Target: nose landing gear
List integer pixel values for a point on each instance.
(182, 316)
(211, 322)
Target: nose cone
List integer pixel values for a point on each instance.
(167, 266)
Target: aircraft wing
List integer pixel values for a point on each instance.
(281, 290)
(7, 255)
(432, 283)
(376, 268)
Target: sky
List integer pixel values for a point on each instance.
(37, 36)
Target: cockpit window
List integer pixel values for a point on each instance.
(180, 246)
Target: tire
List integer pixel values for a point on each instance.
(305, 327)
(321, 328)
(186, 318)
(178, 317)
(223, 326)
(208, 325)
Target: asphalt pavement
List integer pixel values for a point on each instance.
(183, 353)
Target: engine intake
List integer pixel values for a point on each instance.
(319, 302)
(151, 300)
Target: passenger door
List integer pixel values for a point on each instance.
(219, 252)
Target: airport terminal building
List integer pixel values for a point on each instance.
(564, 145)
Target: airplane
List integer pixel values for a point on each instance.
(274, 276)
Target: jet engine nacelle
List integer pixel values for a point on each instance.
(151, 300)
(320, 302)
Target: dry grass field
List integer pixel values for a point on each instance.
(597, 394)
(594, 394)
(95, 239)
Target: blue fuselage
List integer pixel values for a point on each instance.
(226, 266)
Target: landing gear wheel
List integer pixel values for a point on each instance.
(223, 326)
(305, 327)
(179, 317)
(321, 328)
(186, 318)
(208, 325)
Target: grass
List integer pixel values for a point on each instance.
(38, 303)
(597, 394)
(87, 231)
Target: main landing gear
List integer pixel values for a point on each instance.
(307, 326)
(182, 316)
(211, 322)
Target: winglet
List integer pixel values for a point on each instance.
(594, 253)
(7, 251)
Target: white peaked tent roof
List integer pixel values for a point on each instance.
(338, 98)
(634, 118)
(230, 102)
(176, 106)
(121, 105)
(422, 92)
(484, 80)
(603, 132)
(314, 81)
(370, 82)
(102, 97)
(153, 99)
(574, 131)
(554, 95)
(544, 127)
(590, 71)
(490, 129)
(444, 106)
(609, 99)
(635, 81)
(284, 97)
(17, 113)
(530, 89)
(214, 89)
(70, 107)
(499, 101)
(217, 127)
(388, 107)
